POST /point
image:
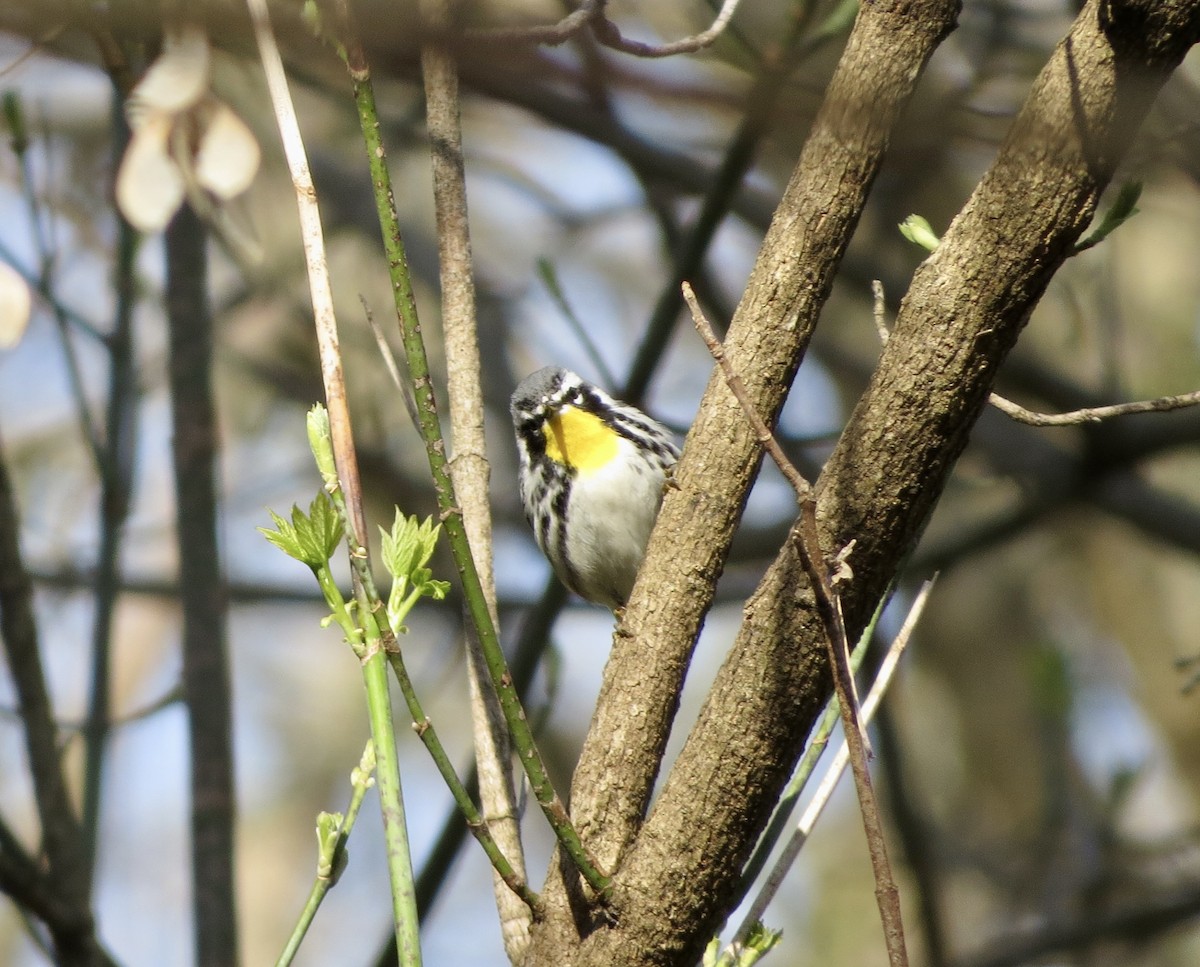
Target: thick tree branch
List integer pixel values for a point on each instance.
(963, 314)
(651, 650)
(967, 304)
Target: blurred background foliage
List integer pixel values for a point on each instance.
(1040, 751)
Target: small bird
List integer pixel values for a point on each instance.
(591, 480)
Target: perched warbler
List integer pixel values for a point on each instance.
(591, 480)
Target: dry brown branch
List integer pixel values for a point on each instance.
(816, 565)
(837, 766)
(1093, 414)
(1086, 414)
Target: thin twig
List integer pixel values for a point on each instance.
(608, 34)
(44, 280)
(590, 347)
(389, 361)
(591, 13)
(808, 545)
(331, 857)
(817, 743)
(816, 806)
(1093, 414)
(1086, 414)
(761, 431)
(170, 697)
(550, 34)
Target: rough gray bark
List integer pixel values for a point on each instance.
(964, 312)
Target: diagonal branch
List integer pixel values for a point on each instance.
(967, 305)
(816, 567)
(769, 331)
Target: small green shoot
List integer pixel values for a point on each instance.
(759, 941)
(320, 441)
(330, 860)
(406, 549)
(1121, 210)
(918, 231)
(333, 829)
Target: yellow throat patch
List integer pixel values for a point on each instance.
(580, 439)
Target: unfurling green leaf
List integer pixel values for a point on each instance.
(406, 549)
(310, 538)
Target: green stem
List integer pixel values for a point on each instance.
(430, 429)
(395, 831)
(475, 821)
(379, 618)
(329, 864)
(341, 444)
(367, 637)
(337, 605)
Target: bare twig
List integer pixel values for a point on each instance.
(550, 34)
(164, 701)
(812, 555)
(1093, 414)
(389, 361)
(559, 297)
(1087, 414)
(608, 34)
(802, 487)
(825, 790)
(591, 13)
